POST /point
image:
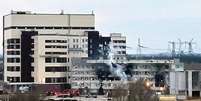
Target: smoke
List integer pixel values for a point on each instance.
(111, 70)
(115, 68)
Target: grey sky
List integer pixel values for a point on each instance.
(154, 21)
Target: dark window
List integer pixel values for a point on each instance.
(30, 27)
(32, 45)
(21, 27)
(39, 27)
(9, 41)
(13, 47)
(123, 52)
(32, 40)
(48, 80)
(13, 27)
(61, 60)
(32, 52)
(55, 80)
(48, 60)
(48, 41)
(32, 59)
(57, 27)
(13, 52)
(48, 27)
(57, 53)
(48, 46)
(13, 79)
(13, 68)
(32, 68)
(65, 28)
(13, 60)
(56, 69)
(55, 60)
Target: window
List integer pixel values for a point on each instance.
(48, 41)
(32, 59)
(58, 53)
(39, 27)
(123, 52)
(13, 79)
(13, 68)
(55, 80)
(54, 46)
(55, 60)
(9, 41)
(21, 27)
(61, 60)
(13, 52)
(57, 27)
(48, 60)
(56, 69)
(48, 27)
(13, 47)
(13, 60)
(30, 27)
(47, 46)
(48, 80)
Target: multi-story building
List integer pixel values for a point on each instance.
(159, 73)
(100, 46)
(38, 48)
(118, 44)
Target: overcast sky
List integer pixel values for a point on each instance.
(155, 22)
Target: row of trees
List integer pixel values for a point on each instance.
(137, 91)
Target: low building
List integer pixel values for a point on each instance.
(165, 74)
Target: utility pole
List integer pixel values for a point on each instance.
(173, 47)
(190, 46)
(139, 48)
(180, 46)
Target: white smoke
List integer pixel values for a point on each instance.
(115, 68)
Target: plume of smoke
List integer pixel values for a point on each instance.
(115, 68)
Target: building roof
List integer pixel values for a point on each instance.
(192, 66)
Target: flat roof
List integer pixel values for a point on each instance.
(60, 13)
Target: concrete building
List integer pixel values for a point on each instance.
(98, 45)
(38, 48)
(53, 53)
(159, 73)
(193, 79)
(118, 44)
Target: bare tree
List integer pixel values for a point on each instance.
(135, 91)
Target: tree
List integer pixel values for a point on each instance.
(135, 91)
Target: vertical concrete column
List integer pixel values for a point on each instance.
(200, 82)
(190, 83)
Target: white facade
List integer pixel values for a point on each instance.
(85, 75)
(118, 44)
(55, 48)
(53, 27)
